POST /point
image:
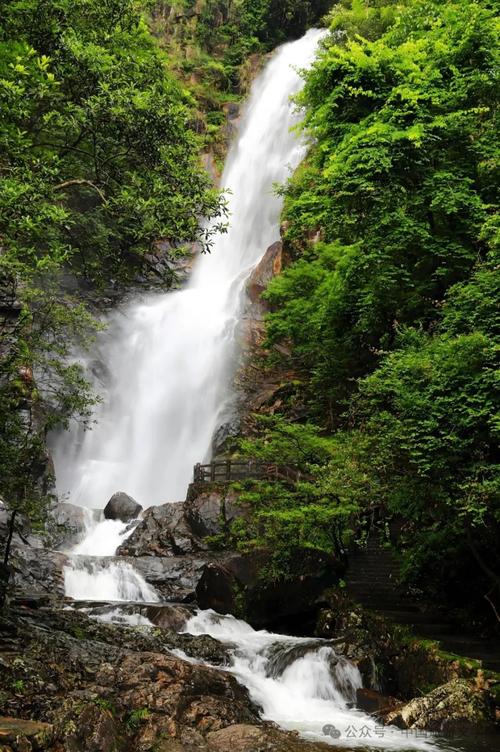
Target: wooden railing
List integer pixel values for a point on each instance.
(229, 470)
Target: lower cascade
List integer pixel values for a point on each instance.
(168, 362)
(301, 684)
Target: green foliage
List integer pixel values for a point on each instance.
(312, 512)
(215, 46)
(400, 186)
(390, 304)
(100, 162)
(136, 718)
(97, 163)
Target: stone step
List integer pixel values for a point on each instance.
(371, 569)
(369, 581)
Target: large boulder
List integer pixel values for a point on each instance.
(455, 707)
(122, 507)
(212, 511)
(162, 531)
(268, 267)
(180, 528)
(174, 578)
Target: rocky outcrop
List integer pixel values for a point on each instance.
(181, 528)
(89, 687)
(238, 585)
(174, 578)
(389, 659)
(162, 531)
(66, 525)
(23, 735)
(37, 570)
(455, 707)
(172, 547)
(122, 507)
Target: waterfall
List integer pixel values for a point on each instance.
(100, 580)
(302, 684)
(168, 359)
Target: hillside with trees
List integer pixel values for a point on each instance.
(390, 302)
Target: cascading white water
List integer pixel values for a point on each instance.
(168, 361)
(168, 358)
(100, 580)
(302, 684)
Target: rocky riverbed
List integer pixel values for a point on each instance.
(89, 686)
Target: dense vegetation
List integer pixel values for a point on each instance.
(216, 46)
(390, 303)
(97, 163)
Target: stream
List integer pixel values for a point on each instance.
(164, 366)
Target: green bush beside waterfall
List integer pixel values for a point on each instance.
(98, 162)
(390, 302)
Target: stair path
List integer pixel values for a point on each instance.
(372, 581)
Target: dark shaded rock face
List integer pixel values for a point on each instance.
(122, 507)
(179, 528)
(112, 689)
(37, 570)
(163, 531)
(170, 547)
(236, 585)
(374, 702)
(210, 512)
(174, 578)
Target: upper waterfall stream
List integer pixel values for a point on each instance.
(168, 359)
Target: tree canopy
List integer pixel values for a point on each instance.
(97, 163)
(390, 302)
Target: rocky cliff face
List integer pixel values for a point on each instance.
(178, 540)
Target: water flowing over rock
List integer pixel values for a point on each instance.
(170, 358)
(67, 524)
(165, 365)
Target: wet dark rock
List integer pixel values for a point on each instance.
(180, 528)
(23, 535)
(111, 688)
(268, 267)
(122, 507)
(37, 570)
(282, 655)
(374, 702)
(169, 616)
(174, 578)
(162, 531)
(224, 433)
(65, 525)
(23, 735)
(235, 585)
